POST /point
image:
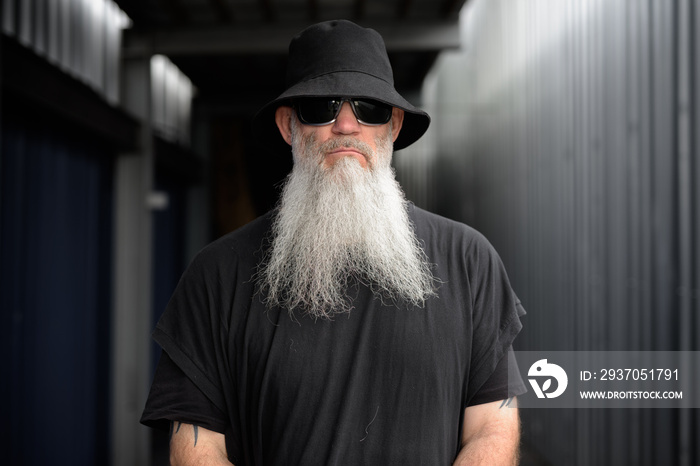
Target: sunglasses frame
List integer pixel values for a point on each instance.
(351, 101)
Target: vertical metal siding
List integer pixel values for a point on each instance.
(81, 37)
(55, 221)
(578, 123)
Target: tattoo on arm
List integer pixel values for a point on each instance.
(507, 402)
(174, 430)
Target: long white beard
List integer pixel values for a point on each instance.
(339, 226)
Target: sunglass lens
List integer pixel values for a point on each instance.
(372, 112)
(317, 111)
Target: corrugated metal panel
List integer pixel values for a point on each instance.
(81, 37)
(577, 122)
(55, 269)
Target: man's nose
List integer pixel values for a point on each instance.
(346, 122)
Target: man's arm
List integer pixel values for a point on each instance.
(491, 435)
(191, 445)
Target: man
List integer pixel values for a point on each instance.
(347, 326)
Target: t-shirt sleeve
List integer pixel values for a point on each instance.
(193, 333)
(496, 313)
(505, 382)
(174, 397)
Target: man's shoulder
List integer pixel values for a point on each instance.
(442, 235)
(434, 224)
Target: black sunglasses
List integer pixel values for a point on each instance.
(320, 111)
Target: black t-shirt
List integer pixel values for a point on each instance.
(380, 385)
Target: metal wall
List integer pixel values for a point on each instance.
(81, 37)
(566, 131)
(80, 267)
(55, 273)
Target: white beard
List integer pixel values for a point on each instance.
(339, 226)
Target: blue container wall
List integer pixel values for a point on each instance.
(55, 256)
(566, 132)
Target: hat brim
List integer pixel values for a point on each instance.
(342, 84)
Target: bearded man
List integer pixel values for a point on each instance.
(347, 326)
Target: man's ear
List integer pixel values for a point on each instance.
(283, 118)
(396, 122)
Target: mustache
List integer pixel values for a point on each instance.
(346, 142)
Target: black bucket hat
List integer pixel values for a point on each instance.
(340, 59)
